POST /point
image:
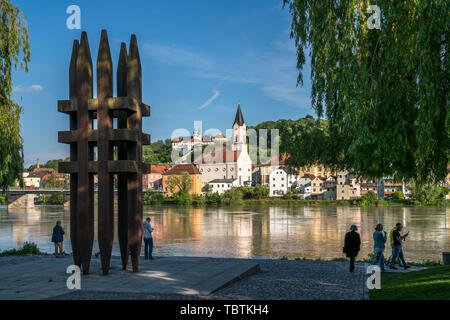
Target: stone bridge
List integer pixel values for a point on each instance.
(24, 198)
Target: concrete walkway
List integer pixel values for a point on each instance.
(45, 276)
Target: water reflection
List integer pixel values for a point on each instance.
(311, 232)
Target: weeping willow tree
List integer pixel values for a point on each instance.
(14, 49)
(384, 91)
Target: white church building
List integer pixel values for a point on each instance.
(229, 162)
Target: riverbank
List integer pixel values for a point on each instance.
(203, 202)
(196, 278)
(185, 278)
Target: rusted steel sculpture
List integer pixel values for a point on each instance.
(125, 141)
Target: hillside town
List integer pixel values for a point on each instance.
(226, 164)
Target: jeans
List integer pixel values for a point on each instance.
(379, 260)
(148, 248)
(397, 252)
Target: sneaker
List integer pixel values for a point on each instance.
(406, 267)
(393, 267)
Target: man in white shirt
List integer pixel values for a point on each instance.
(148, 239)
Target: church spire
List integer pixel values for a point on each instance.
(239, 118)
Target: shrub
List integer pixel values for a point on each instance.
(199, 200)
(232, 196)
(152, 197)
(287, 196)
(425, 192)
(398, 195)
(213, 198)
(260, 192)
(28, 248)
(369, 198)
(183, 198)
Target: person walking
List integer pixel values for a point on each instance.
(391, 239)
(58, 238)
(352, 245)
(379, 240)
(397, 250)
(148, 239)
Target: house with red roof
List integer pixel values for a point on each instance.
(177, 172)
(153, 179)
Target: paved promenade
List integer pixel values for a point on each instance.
(44, 277)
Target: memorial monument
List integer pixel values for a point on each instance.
(118, 139)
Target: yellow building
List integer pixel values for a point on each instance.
(317, 170)
(178, 171)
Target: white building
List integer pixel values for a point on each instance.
(278, 182)
(304, 186)
(232, 163)
(221, 185)
(281, 182)
(187, 144)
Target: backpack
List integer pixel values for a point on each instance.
(391, 235)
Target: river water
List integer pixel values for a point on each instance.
(261, 231)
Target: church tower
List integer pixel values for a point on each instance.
(239, 132)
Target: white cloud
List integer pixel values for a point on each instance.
(274, 71)
(179, 57)
(287, 94)
(32, 88)
(216, 93)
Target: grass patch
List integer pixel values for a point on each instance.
(430, 284)
(28, 249)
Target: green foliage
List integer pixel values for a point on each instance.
(368, 199)
(256, 192)
(213, 198)
(207, 189)
(55, 182)
(52, 199)
(3, 201)
(181, 183)
(51, 164)
(200, 200)
(157, 152)
(287, 196)
(152, 197)
(13, 46)
(183, 198)
(444, 191)
(398, 195)
(232, 196)
(425, 192)
(384, 91)
(28, 249)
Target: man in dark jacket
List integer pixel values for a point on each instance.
(58, 238)
(352, 245)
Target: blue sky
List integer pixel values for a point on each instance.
(199, 59)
